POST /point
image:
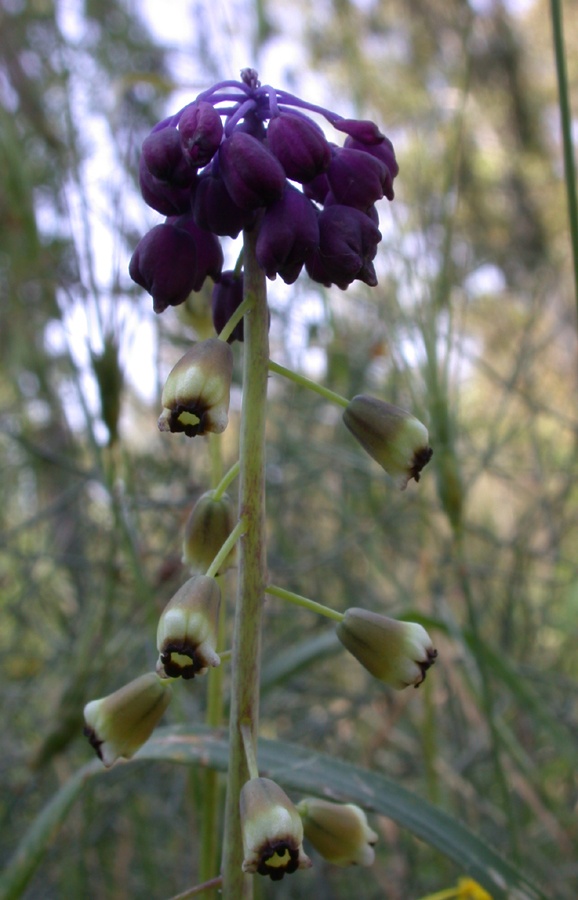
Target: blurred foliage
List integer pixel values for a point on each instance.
(471, 327)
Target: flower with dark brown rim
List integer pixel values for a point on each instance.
(397, 653)
(196, 394)
(118, 725)
(187, 630)
(272, 830)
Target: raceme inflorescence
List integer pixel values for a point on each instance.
(245, 157)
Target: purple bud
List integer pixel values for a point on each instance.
(356, 178)
(214, 209)
(164, 263)
(348, 242)
(252, 175)
(201, 131)
(317, 189)
(209, 251)
(165, 198)
(226, 299)
(361, 130)
(384, 152)
(164, 158)
(299, 145)
(288, 235)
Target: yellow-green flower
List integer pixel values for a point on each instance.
(118, 725)
(393, 437)
(272, 830)
(397, 653)
(209, 524)
(187, 629)
(338, 831)
(196, 394)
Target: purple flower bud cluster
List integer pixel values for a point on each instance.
(241, 155)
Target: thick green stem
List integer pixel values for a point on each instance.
(252, 567)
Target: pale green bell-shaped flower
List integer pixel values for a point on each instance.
(196, 394)
(397, 653)
(209, 524)
(392, 437)
(272, 830)
(338, 831)
(119, 724)
(187, 629)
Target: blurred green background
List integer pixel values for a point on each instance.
(472, 327)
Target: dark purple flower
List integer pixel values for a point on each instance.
(165, 264)
(348, 242)
(215, 210)
(226, 299)
(230, 159)
(299, 145)
(361, 130)
(357, 179)
(201, 130)
(317, 189)
(165, 198)
(384, 152)
(163, 156)
(288, 236)
(252, 175)
(209, 251)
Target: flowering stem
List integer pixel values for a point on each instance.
(298, 600)
(303, 381)
(566, 124)
(239, 529)
(249, 748)
(225, 481)
(243, 308)
(246, 660)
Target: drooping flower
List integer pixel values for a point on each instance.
(196, 394)
(164, 263)
(348, 241)
(300, 146)
(338, 831)
(118, 725)
(393, 437)
(397, 653)
(209, 524)
(242, 152)
(288, 236)
(187, 630)
(272, 830)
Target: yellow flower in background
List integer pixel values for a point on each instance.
(468, 889)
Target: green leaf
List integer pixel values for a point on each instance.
(298, 770)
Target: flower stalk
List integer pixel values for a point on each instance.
(252, 567)
(305, 602)
(305, 382)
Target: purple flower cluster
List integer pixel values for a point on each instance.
(241, 155)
